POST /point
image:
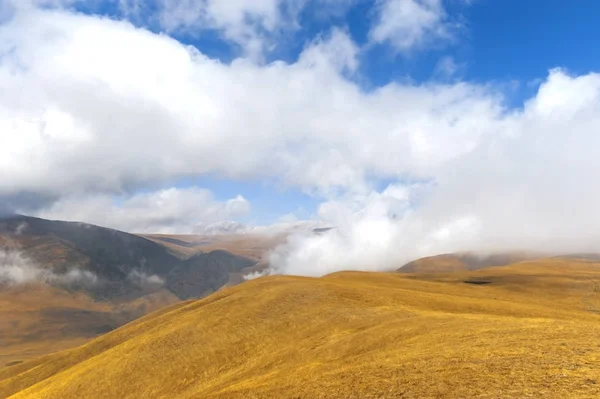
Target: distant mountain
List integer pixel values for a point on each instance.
(205, 273)
(225, 227)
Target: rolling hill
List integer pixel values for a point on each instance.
(64, 283)
(528, 329)
(465, 261)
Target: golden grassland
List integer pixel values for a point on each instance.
(465, 261)
(29, 326)
(532, 331)
(37, 319)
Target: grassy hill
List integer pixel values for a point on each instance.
(530, 329)
(465, 261)
(78, 281)
(36, 319)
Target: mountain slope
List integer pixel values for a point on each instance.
(463, 261)
(108, 253)
(64, 283)
(530, 331)
(38, 319)
(205, 273)
(121, 264)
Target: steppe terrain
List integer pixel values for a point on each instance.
(528, 329)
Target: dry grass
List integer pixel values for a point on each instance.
(466, 261)
(533, 331)
(37, 319)
(33, 321)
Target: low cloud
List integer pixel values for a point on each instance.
(526, 185)
(144, 280)
(15, 268)
(255, 275)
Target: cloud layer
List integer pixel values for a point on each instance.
(526, 184)
(15, 268)
(92, 107)
(173, 210)
(100, 105)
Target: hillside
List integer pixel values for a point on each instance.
(529, 329)
(64, 283)
(108, 264)
(455, 262)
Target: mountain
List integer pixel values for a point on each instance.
(530, 331)
(119, 264)
(63, 283)
(205, 273)
(224, 227)
(250, 245)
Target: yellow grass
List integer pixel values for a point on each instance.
(37, 319)
(533, 331)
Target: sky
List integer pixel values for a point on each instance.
(415, 127)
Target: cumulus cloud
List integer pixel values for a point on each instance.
(247, 23)
(173, 210)
(15, 268)
(95, 106)
(412, 24)
(526, 185)
(255, 25)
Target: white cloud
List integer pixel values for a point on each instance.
(255, 25)
(247, 23)
(254, 275)
(337, 50)
(145, 280)
(526, 185)
(412, 24)
(15, 268)
(95, 104)
(133, 9)
(173, 210)
(447, 67)
(91, 107)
